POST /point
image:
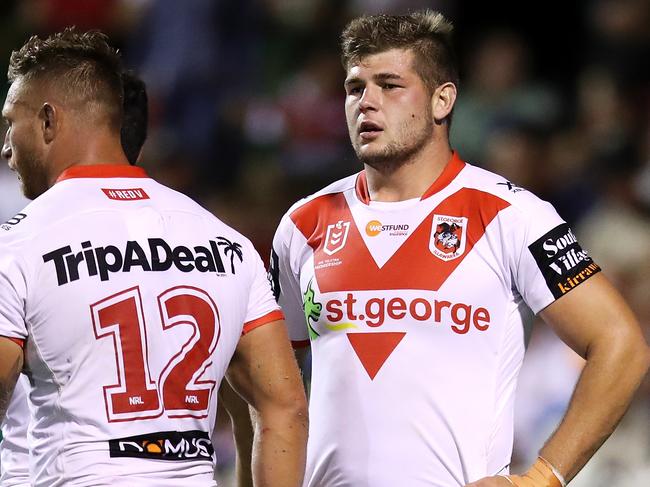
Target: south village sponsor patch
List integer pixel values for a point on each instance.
(562, 261)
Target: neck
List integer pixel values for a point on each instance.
(410, 179)
(97, 148)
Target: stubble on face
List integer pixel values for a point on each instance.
(31, 173)
(410, 138)
(25, 159)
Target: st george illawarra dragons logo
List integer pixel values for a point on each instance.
(448, 236)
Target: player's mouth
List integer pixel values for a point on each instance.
(369, 130)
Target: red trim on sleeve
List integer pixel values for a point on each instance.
(18, 341)
(263, 320)
(300, 343)
(102, 171)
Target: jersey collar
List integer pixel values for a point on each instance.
(451, 170)
(102, 171)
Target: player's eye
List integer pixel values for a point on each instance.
(355, 90)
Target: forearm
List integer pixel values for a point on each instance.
(242, 429)
(280, 446)
(243, 434)
(603, 393)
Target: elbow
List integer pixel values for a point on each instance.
(646, 358)
(634, 352)
(299, 410)
(291, 411)
(625, 351)
(641, 355)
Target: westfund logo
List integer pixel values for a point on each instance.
(562, 261)
(164, 445)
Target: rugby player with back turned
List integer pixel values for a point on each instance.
(124, 301)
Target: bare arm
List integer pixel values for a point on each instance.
(243, 433)
(11, 363)
(263, 371)
(594, 320)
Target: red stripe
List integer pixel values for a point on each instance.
(267, 318)
(18, 341)
(357, 269)
(451, 170)
(102, 171)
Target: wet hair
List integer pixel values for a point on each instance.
(426, 33)
(82, 66)
(136, 116)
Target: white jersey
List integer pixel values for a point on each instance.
(131, 299)
(415, 312)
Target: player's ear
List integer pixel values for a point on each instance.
(49, 121)
(442, 101)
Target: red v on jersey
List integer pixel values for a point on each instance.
(374, 348)
(352, 267)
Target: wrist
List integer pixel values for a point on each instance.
(554, 470)
(541, 474)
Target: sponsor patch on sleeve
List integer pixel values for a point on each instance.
(13, 221)
(562, 261)
(164, 445)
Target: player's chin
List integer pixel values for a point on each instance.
(369, 149)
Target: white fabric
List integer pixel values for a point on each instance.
(416, 350)
(98, 318)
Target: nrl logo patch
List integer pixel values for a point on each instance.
(448, 236)
(336, 236)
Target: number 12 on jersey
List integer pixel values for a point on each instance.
(179, 390)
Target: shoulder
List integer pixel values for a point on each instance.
(225, 235)
(26, 224)
(519, 199)
(309, 207)
(338, 187)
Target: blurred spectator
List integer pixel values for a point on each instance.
(619, 39)
(196, 58)
(314, 142)
(518, 151)
(498, 85)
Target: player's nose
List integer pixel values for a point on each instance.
(6, 151)
(369, 99)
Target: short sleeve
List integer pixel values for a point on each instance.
(262, 307)
(283, 273)
(12, 296)
(549, 261)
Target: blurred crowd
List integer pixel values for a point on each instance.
(246, 106)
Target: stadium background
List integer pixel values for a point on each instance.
(246, 108)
